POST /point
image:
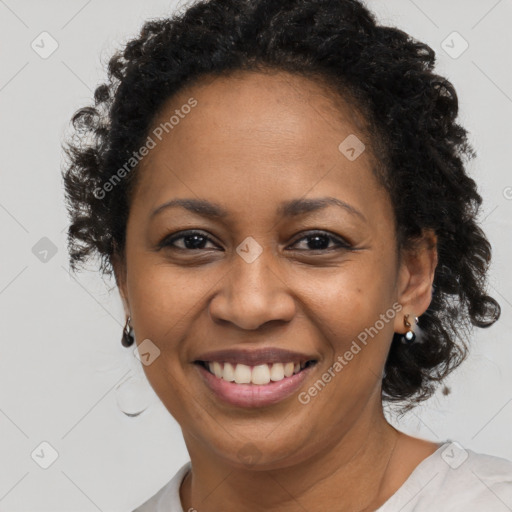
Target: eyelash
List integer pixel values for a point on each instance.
(341, 244)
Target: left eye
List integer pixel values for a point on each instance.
(320, 241)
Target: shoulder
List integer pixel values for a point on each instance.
(485, 479)
(456, 478)
(168, 497)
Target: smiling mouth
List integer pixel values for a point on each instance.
(259, 374)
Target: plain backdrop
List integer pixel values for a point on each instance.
(61, 359)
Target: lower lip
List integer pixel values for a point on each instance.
(254, 395)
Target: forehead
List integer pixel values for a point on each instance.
(252, 134)
(256, 106)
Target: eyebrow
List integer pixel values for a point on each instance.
(292, 208)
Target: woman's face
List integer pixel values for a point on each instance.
(280, 266)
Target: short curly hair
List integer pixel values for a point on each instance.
(411, 112)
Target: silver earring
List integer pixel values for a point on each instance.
(128, 338)
(409, 336)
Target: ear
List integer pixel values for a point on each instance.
(416, 272)
(119, 266)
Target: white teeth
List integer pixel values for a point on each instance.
(288, 369)
(277, 372)
(260, 374)
(242, 374)
(217, 369)
(229, 372)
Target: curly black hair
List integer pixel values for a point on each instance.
(410, 111)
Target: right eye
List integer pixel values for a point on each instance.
(192, 240)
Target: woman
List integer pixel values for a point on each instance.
(279, 189)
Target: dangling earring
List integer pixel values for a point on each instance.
(410, 335)
(128, 338)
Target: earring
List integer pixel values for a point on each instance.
(410, 335)
(128, 338)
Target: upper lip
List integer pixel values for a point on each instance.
(255, 357)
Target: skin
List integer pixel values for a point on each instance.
(254, 140)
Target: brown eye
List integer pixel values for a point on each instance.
(320, 240)
(192, 240)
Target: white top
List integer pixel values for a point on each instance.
(451, 479)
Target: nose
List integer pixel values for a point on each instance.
(252, 295)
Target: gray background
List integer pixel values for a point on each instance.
(61, 357)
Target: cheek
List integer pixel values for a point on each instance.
(352, 295)
(164, 301)
(352, 309)
(164, 298)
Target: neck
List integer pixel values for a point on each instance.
(349, 473)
